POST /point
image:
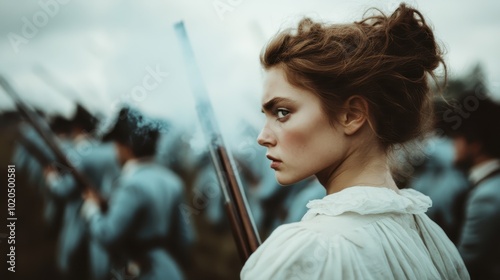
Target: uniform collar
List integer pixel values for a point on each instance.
(132, 165)
(482, 170)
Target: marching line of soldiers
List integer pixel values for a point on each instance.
(143, 231)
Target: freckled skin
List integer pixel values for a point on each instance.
(304, 140)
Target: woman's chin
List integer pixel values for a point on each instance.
(286, 180)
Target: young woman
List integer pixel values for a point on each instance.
(337, 99)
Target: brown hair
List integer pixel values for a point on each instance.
(384, 59)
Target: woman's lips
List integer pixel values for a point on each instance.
(275, 162)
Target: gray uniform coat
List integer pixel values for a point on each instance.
(478, 243)
(144, 216)
(98, 162)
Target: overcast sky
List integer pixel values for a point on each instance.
(101, 52)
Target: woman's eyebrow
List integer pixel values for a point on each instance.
(269, 105)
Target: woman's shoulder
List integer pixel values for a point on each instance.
(299, 251)
(290, 250)
(308, 250)
(329, 245)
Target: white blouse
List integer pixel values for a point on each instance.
(359, 233)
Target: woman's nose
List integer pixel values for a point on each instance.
(266, 138)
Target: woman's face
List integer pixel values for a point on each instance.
(299, 138)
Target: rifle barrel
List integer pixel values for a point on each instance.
(44, 131)
(244, 230)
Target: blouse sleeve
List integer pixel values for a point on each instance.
(286, 254)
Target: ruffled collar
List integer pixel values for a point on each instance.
(369, 200)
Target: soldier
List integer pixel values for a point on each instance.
(98, 163)
(476, 139)
(143, 219)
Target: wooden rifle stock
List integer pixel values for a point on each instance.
(244, 231)
(46, 134)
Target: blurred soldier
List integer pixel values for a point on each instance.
(31, 156)
(30, 150)
(475, 128)
(54, 208)
(98, 163)
(143, 218)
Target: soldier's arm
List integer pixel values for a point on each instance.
(62, 186)
(123, 212)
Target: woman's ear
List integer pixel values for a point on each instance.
(354, 115)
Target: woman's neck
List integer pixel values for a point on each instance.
(365, 167)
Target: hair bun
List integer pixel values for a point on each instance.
(408, 36)
(385, 59)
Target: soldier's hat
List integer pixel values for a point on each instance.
(60, 124)
(134, 130)
(84, 119)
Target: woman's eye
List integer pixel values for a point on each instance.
(281, 113)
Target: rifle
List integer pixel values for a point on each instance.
(244, 231)
(45, 133)
(42, 157)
